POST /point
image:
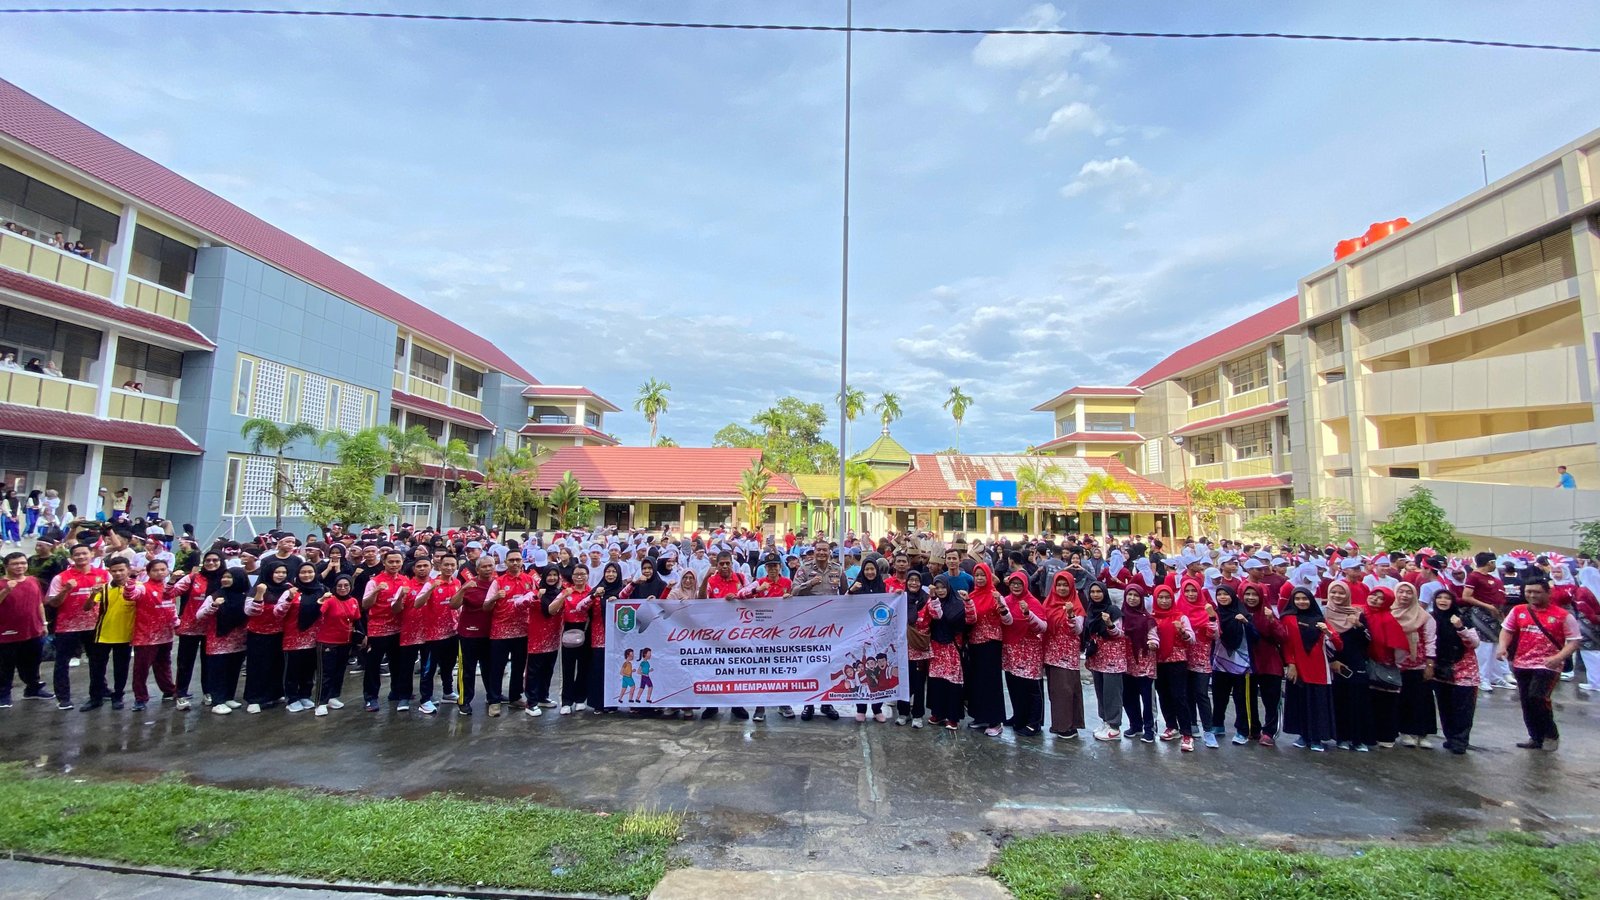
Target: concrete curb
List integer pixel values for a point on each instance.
(288, 882)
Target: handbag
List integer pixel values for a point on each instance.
(1380, 674)
(1484, 623)
(574, 637)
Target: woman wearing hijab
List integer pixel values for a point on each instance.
(1308, 696)
(1106, 656)
(986, 699)
(545, 624)
(1384, 678)
(576, 661)
(1455, 668)
(1196, 604)
(336, 630)
(1355, 727)
(1138, 682)
(1170, 640)
(647, 586)
(1265, 688)
(869, 581)
(263, 678)
(919, 650)
(945, 618)
(193, 590)
(1022, 627)
(1063, 647)
(300, 638)
(1417, 717)
(689, 588)
(224, 617)
(1230, 654)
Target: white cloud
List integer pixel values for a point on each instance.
(1117, 171)
(1076, 117)
(1024, 51)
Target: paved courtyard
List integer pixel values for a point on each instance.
(786, 794)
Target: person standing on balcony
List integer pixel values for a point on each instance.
(1565, 480)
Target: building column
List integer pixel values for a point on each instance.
(122, 258)
(88, 493)
(107, 366)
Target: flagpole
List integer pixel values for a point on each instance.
(844, 285)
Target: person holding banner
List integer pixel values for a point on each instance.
(869, 581)
(820, 576)
(945, 618)
(919, 650)
(1064, 615)
(688, 588)
(646, 586)
(1023, 628)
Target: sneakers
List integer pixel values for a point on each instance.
(993, 731)
(253, 708)
(43, 694)
(184, 703)
(760, 715)
(1186, 744)
(518, 704)
(1422, 743)
(1568, 676)
(900, 720)
(1530, 745)
(298, 706)
(453, 697)
(1487, 687)
(1363, 748)
(1319, 747)
(566, 710)
(64, 705)
(543, 704)
(830, 712)
(580, 706)
(1300, 744)
(222, 709)
(233, 704)
(806, 714)
(5, 703)
(138, 705)
(739, 713)
(494, 710)
(1209, 739)
(372, 706)
(1267, 741)
(1239, 740)
(1552, 744)
(1148, 737)
(322, 710)
(403, 706)
(1509, 682)
(116, 704)
(91, 705)
(335, 703)
(786, 711)
(76, 662)
(1171, 734)
(533, 712)
(916, 723)
(427, 708)
(1106, 734)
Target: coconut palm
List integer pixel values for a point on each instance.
(888, 409)
(753, 484)
(1100, 485)
(451, 457)
(856, 474)
(665, 441)
(957, 403)
(1037, 483)
(267, 435)
(652, 402)
(564, 499)
(509, 475)
(768, 420)
(409, 452)
(854, 401)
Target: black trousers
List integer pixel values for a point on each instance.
(119, 656)
(1200, 701)
(944, 700)
(1265, 698)
(1353, 719)
(408, 660)
(541, 671)
(986, 700)
(1226, 686)
(1027, 701)
(1385, 714)
(1534, 687)
(1172, 687)
(20, 658)
(1137, 703)
(575, 674)
(223, 670)
(513, 650)
(1458, 705)
(597, 678)
(916, 707)
(68, 644)
(299, 673)
(439, 662)
(473, 660)
(335, 662)
(263, 673)
(190, 647)
(380, 649)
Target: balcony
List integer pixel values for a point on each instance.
(1259, 465)
(1248, 400)
(438, 393)
(466, 402)
(1331, 400)
(1208, 472)
(1204, 411)
(131, 406)
(45, 392)
(1544, 378)
(552, 420)
(152, 297)
(44, 261)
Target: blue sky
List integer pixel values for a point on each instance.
(1028, 213)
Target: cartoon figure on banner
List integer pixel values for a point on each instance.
(628, 693)
(862, 677)
(646, 686)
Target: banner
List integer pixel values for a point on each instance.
(685, 653)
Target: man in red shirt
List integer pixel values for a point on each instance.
(508, 635)
(1547, 636)
(21, 631)
(725, 584)
(1484, 597)
(73, 594)
(382, 599)
(475, 601)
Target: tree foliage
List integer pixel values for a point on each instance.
(1588, 537)
(753, 489)
(267, 435)
(789, 437)
(509, 487)
(565, 501)
(349, 495)
(1418, 521)
(888, 408)
(652, 401)
(958, 403)
(1312, 521)
(1209, 505)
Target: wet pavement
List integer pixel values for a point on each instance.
(871, 798)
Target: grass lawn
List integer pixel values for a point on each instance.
(437, 840)
(1118, 867)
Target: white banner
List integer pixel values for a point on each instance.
(676, 653)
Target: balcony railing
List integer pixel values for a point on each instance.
(1209, 472)
(1248, 399)
(553, 420)
(152, 297)
(1246, 468)
(399, 380)
(466, 402)
(1205, 411)
(54, 265)
(45, 392)
(438, 393)
(130, 406)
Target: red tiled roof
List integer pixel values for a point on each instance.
(437, 472)
(440, 410)
(1275, 319)
(1230, 418)
(665, 473)
(535, 429)
(1093, 437)
(562, 390)
(51, 292)
(48, 423)
(54, 133)
(1089, 391)
(943, 481)
(1253, 483)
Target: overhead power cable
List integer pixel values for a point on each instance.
(754, 26)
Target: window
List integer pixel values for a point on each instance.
(45, 210)
(156, 369)
(469, 381)
(1061, 524)
(291, 397)
(124, 462)
(1152, 455)
(1404, 472)
(1205, 449)
(162, 260)
(1202, 389)
(591, 419)
(960, 520)
(73, 348)
(51, 457)
(399, 354)
(1249, 373)
(1517, 272)
(1118, 523)
(1333, 377)
(714, 514)
(246, 386)
(230, 487)
(1011, 520)
(549, 415)
(1065, 426)
(1329, 338)
(1407, 310)
(369, 410)
(1107, 422)
(434, 427)
(428, 365)
(1251, 441)
(335, 392)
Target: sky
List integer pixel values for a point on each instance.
(1027, 213)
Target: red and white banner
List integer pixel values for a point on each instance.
(685, 653)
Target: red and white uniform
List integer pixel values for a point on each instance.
(293, 637)
(81, 587)
(1022, 647)
(442, 619)
(193, 588)
(383, 618)
(338, 619)
(544, 630)
(155, 614)
(1533, 648)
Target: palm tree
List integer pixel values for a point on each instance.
(855, 403)
(1100, 484)
(958, 403)
(451, 457)
(888, 409)
(265, 434)
(1037, 483)
(665, 441)
(564, 498)
(769, 421)
(753, 483)
(856, 474)
(652, 402)
(409, 451)
(509, 475)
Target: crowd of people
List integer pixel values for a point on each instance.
(58, 239)
(1334, 647)
(8, 361)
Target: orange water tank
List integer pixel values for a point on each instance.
(1346, 247)
(1377, 231)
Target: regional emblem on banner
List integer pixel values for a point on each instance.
(627, 615)
(882, 614)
